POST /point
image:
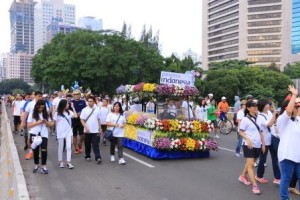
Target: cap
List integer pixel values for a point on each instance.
(45, 95)
(124, 97)
(288, 97)
(210, 95)
(55, 92)
(250, 103)
(223, 98)
(76, 92)
(249, 97)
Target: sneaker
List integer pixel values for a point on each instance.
(294, 190)
(237, 155)
(98, 161)
(80, 150)
(261, 180)
(112, 158)
(44, 170)
(276, 181)
(61, 165)
(35, 169)
(265, 164)
(70, 166)
(25, 147)
(88, 159)
(28, 156)
(122, 161)
(217, 136)
(255, 164)
(255, 189)
(244, 180)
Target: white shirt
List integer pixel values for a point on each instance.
(17, 107)
(150, 107)
(93, 121)
(56, 102)
(186, 107)
(113, 118)
(30, 106)
(41, 128)
(104, 111)
(264, 119)
(251, 131)
(289, 145)
(201, 112)
(239, 116)
(64, 127)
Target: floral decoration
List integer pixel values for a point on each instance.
(138, 87)
(121, 89)
(149, 87)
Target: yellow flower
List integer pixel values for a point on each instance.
(130, 132)
(132, 118)
(149, 87)
(190, 144)
(174, 125)
(196, 126)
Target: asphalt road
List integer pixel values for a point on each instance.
(214, 178)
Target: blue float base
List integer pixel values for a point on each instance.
(158, 154)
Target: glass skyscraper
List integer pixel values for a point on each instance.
(296, 27)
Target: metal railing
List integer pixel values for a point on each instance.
(13, 185)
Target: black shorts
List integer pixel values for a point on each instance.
(17, 120)
(251, 153)
(103, 127)
(77, 127)
(215, 123)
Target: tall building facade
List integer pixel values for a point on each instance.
(44, 12)
(296, 27)
(16, 65)
(90, 23)
(22, 26)
(253, 30)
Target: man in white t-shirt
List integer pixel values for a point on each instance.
(239, 116)
(56, 101)
(91, 120)
(17, 104)
(187, 107)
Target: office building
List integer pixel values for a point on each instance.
(44, 12)
(252, 30)
(22, 26)
(16, 65)
(90, 23)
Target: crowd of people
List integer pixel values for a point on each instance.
(81, 122)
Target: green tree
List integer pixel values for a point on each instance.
(17, 91)
(293, 70)
(7, 86)
(101, 61)
(229, 64)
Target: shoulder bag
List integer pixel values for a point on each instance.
(108, 134)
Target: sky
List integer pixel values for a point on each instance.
(179, 22)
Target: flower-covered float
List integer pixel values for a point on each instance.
(158, 137)
(168, 139)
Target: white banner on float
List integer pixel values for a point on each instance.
(172, 78)
(144, 136)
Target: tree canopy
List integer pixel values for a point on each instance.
(10, 85)
(293, 70)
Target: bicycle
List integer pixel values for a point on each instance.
(225, 126)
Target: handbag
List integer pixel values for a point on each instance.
(36, 141)
(108, 134)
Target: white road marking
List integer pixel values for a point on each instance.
(223, 148)
(138, 160)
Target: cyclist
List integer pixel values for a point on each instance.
(223, 108)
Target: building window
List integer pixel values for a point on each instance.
(223, 31)
(222, 5)
(264, 45)
(264, 30)
(255, 2)
(228, 10)
(226, 50)
(264, 59)
(264, 37)
(264, 8)
(265, 23)
(264, 52)
(223, 18)
(225, 37)
(264, 16)
(228, 56)
(215, 2)
(235, 21)
(231, 42)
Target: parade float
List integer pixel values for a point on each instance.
(165, 138)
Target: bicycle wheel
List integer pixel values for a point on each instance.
(225, 127)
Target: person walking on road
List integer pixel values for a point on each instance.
(211, 115)
(253, 143)
(267, 119)
(17, 105)
(90, 119)
(79, 105)
(289, 150)
(239, 116)
(63, 121)
(38, 122)
(104, 111)
(116, 122)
